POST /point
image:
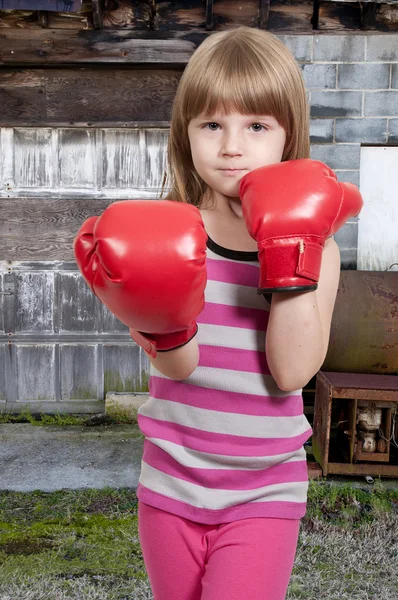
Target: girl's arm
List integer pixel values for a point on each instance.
(177, 364)
(299, 326)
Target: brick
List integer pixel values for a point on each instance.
(363, 76)
(393, 130)
(337, 156)
(336, 104)
(348, 177)
(381, 104)
(299, 45)
(319, 76)
(394, 76)
(361, 130)
(321, 130)
(343, 48)
(347, 236)
(382, 47)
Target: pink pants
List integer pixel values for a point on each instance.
(250, 559)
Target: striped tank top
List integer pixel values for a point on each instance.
(226, 443)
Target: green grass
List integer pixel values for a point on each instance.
(69, 533)
(115, 414)
(84, 544)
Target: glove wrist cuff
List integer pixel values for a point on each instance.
(290, 263)
(153, 343)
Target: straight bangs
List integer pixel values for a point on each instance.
(248, 71)
(234, 85)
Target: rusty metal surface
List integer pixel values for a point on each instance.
(361, 381)
(364, 329)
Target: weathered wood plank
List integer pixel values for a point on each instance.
(155, 144)
(35, 372)
(32, 157)
(98, 13)
(82, 160)
(25, 19)
(337, 15)
(3, 358)
(22, 97)
(122, 368)
(334, 16)
(110, 324)
(42, 228)
(87, 96)
(179, 15)
(128, 15)
(385, 18)
(76, 158)
(43, 47)
(79, 308)
(79, 371)
(34, 302)
(69, 21)
(3, 292)
(122, 158)
(290, 14)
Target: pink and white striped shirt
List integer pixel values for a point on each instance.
(226, 443)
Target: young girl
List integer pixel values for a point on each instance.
(224, 480)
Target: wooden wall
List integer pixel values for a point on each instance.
(192, 17)
(57, 177)
(85, 105)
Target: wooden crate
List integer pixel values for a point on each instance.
(354, 390)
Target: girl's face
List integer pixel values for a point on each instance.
(226, 147)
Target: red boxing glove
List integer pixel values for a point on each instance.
(145, 260)
(290, 208)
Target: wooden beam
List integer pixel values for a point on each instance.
(209, 15)
(264, 14)
(42, 16)
(40, 47)
(58, 221)
(98, 7)
(85, 97)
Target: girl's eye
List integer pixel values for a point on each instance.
(210, 126)
(257, 125)
(261, 126)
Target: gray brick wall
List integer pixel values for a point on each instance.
(352, 84)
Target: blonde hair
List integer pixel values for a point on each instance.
(245, 70)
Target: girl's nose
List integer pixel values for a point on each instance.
(231, 145)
